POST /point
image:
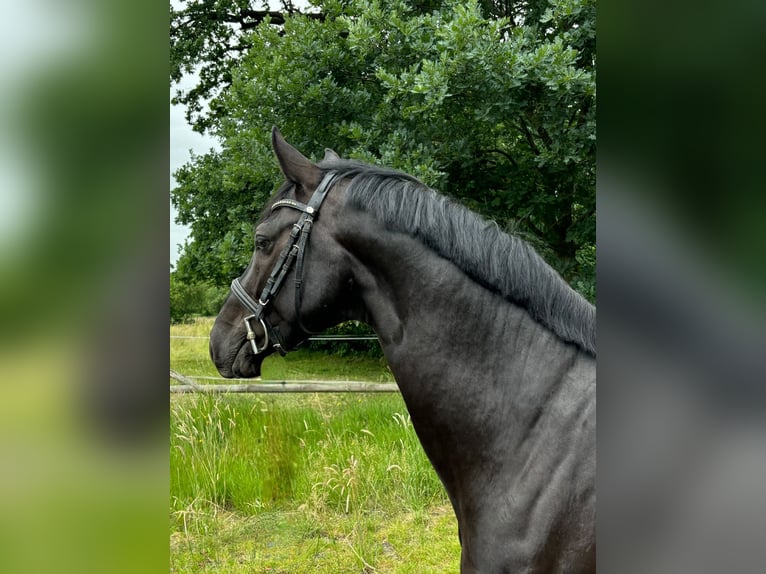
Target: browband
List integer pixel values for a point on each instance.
(290, 203)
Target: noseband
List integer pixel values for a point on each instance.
(295, 249)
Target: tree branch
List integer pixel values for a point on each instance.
(248, 19)
(505, 154)
(528, 136)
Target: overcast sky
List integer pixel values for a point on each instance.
(182, 140)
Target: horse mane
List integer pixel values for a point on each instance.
(503, 263)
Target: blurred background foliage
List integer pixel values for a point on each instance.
(190, 299)
(491, 103)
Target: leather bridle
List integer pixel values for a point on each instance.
(294, 250)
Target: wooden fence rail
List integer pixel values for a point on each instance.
(190, 385)
(336, 338)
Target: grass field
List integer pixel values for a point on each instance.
(308, 483)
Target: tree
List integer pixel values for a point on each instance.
(492, 103)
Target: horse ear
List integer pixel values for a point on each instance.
(330, 155)
(294, 164)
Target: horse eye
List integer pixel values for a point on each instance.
(262, 243)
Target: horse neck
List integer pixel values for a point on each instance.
(438, 327)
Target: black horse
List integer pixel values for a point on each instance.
(493, 352)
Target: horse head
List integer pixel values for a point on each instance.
(298, 280)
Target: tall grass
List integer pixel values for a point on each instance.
(337, 452)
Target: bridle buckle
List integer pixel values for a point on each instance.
(251, 334)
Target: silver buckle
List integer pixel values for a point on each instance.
(251, 334)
